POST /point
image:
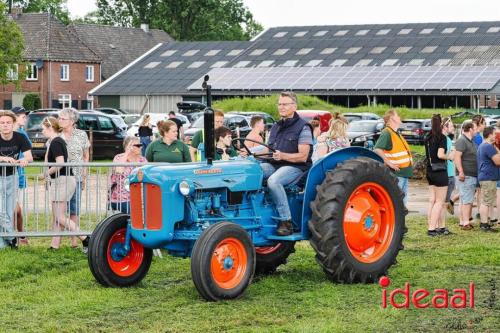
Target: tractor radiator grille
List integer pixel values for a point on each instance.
(145, 206)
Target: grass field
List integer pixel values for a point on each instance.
(46, 291)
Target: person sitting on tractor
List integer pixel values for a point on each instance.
(199, 136)
(223, 149)
(292, 139)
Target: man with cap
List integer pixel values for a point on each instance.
(21, 116)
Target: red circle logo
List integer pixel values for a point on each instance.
(384, 281)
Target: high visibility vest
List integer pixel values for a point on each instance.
(400, 153)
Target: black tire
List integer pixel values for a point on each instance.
(207, 281)
(269, 258)
(106, 270)
(328, 233)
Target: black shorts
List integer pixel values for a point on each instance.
(437, 178)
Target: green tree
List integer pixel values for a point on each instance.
(56, 7)
(182, 19)
(11, 49)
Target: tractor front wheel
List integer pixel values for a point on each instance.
(108, 262)
(222, 262)
(268, 258)
(358, 221)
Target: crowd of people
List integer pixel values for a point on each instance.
(456, 171)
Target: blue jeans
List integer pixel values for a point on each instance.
(403, 185)
(75, 202)
(276, 182)
(123, 207)
(145, 141)
(8, 199)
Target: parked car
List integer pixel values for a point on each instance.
(268, 120)
(235, 122)
(130, 118)
(192, 110)
(118, 120)
(351, 116)
(364, 132)
(155, 118)
(324, 117)
(107, 137)
(415, 130)
(115, 111)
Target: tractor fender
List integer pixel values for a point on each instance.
(318, 172)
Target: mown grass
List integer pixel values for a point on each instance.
(305, 102)
(45, 291)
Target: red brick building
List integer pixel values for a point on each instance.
(61, 68)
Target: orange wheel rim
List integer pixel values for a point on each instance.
(129, 264)
(267, 249)
(369, 222)
(229, 263)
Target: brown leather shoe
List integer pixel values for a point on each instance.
(285, 228)
(466, 227)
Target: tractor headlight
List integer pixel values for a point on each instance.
(184, 188)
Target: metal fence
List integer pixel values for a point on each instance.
(36, 199)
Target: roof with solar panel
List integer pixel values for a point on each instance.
(403, 58)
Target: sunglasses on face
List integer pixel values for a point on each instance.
(138, 145)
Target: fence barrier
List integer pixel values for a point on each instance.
(36, 199)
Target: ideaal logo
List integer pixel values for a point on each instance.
(423, 298)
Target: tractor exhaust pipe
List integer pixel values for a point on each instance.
(209, 139)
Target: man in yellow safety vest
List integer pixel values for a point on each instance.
(395, 151)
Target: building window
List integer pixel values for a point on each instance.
(471, 30)
(89, 73)
(304, 51)
(266, 63)
(338, 62)
(257, 52)
(168, 53)
(328, 50)
(383, 32)
(469, 62)
(174, 64)
(493, 30)
(191, 53)
(233, 53)
(300, 34)
(416, 62)
(241, 64)
(362, 32)
(218, 64)
(90, 102)
(196, 64)
(64, 74)
(65, 100)
(364, 62)
(426, 31)
(321, 33)
(341, 32)
(482, 48)
(280, 52)
(313, 63)
(152, 64)
(448, 30)
(389, 62)
(352, 50)
(212, 53)
(32, 72)
(404, 31)
(442, 62)
(13, 73)
(455, 49)
(280, 34)
(378, 49)
(289, 63)
(403, 49)
(428, 49)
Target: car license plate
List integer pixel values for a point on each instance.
(38, 145)
(407, 132)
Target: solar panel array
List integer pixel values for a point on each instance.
(418, 78)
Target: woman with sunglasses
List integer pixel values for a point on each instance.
(119, 195)
(62, 183)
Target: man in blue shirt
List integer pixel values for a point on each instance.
(488, 161)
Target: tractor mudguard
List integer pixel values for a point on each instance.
(317, 175)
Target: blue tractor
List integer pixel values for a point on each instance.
(348, 205)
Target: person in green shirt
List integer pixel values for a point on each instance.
(168, 148)
(198, 137)
(384, 144)
(223, 149)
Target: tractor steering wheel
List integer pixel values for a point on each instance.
(241, 141)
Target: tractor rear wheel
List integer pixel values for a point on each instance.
(268, 258)
(222, 262)
(358, 221)
(109, 267)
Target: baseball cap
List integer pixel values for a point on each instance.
(18, 110)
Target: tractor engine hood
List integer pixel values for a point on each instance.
(236, 175)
